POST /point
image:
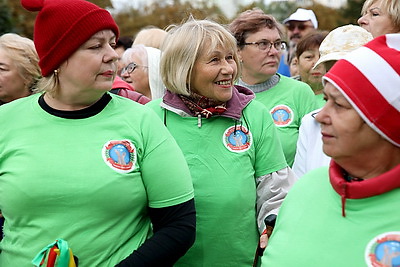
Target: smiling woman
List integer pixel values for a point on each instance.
(238, 169)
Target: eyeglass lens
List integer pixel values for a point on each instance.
(268, 45)
(129, 68)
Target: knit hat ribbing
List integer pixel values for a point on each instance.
(369, 78)
(62, 26)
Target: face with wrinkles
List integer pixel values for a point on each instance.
(213, 74)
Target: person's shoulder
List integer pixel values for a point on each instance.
(255, 104)
(256, 111)
(133, 95)
(318, 175)
(154, 104)
(127, 104)
(293, 82)
(19, 104)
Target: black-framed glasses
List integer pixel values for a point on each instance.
(131, 67)
(262, 45)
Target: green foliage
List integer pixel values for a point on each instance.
(5, 18)
(280, 9)
(162, 15)
(351, 12)
(328, 18)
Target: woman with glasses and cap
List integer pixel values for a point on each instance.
(347, 214)
(142, 70)
(259, 42)
(83, 171)
(239, 172)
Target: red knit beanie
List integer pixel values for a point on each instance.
(62, 26)
(369, 78)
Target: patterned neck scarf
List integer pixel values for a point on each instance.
(201, 105)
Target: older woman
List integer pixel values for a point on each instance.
(19, 68)
(380, 17)
(230, 143)
(259, 41)
(348, 214)
(142, 70)
(77, 172)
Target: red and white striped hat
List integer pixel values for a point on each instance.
(369, 78)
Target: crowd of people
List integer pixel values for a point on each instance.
(256, 143)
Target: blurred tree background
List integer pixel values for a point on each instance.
(162, 13)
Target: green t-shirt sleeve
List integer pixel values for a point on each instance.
(165, 173)
(269, 153)
(308, 101)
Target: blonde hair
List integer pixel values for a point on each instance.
(182, 47)
(391, 7)
(151, 37)
(49, 84)
(23, 54)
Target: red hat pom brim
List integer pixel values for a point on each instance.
(32, 5)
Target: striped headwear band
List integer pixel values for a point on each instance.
(369, 78)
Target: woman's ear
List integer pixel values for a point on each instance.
(294, 61)
(293, 68)
(239, 55)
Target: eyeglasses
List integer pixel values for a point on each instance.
(131, 67)
(262, 45)
(301, 26)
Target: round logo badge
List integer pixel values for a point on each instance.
(120, 155)
(237, 139)
(384, 250)
(282, 115)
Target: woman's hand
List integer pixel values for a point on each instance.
(264, 241)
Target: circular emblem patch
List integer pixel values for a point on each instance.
(384, 250)
(237, 139)
(282, 115)
(120, 155)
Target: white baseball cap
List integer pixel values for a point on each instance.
(342, 40)
(302, 14)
